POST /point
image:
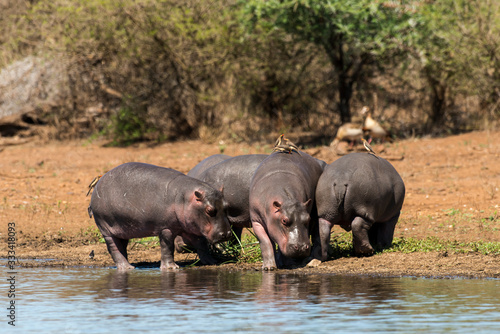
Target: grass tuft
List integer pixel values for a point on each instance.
(430, 244)
(246, 250)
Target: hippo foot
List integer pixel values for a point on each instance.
(313, 263)
(364, 252)
(363, 249)
(171, 266)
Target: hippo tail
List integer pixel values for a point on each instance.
(340, 191)
(90, 211)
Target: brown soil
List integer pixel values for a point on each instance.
(452, 189)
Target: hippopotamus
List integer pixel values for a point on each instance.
(363, 193)
(282, 209)
(206, 163)
(233, 175)
(137, 200)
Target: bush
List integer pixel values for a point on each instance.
(186, 69)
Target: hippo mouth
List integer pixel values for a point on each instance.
(297, 251)
(294, 244)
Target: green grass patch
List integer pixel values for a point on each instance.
(246, 250)
(146, 242)
(91, 234)
(340, 246)
(430, 244)
(94, 236)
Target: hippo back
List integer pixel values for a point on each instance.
(206, 163)
(234, 176)
(138, 200)
(359, 184)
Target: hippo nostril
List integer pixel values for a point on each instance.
(224, 235)
(296, 247)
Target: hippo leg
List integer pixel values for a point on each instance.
(321, 252)
(381, 234)
(203, 250)
(167, 250)
(266, 246)
(181, 246)
(118, 249)
(360, 238)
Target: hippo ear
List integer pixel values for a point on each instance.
(277, 205)
(308, 204)
(199, 195)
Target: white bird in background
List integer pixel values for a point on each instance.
(373, 127)
(349, 132)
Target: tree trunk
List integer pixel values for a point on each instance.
(438, 98)
(337, 58)
(345, 94)
(438, 103)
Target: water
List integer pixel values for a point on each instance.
(83, 300)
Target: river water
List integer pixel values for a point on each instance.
(83, 300)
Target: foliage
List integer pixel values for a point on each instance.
(246, 250)
(354, 34)
(245, 69)
(457, 40)
(479, 34)
(163, 55)
(129, 126)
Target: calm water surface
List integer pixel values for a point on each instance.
(83, 300)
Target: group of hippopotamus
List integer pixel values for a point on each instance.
(288, 197)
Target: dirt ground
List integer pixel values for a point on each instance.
(452, 192)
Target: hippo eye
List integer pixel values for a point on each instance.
(212, 212)
(284, 221)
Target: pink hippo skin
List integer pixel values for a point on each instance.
(282, 209)
(363, 193)
(137, 200)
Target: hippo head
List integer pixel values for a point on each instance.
(289, 227)
(206, 215)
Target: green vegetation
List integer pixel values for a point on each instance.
(237, 70)
(353, 34)
(128, 126)
(430, 244)
(248, 250)
(341, 246)
(91, 235)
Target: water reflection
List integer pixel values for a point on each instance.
(263, 287)
(199, 299)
